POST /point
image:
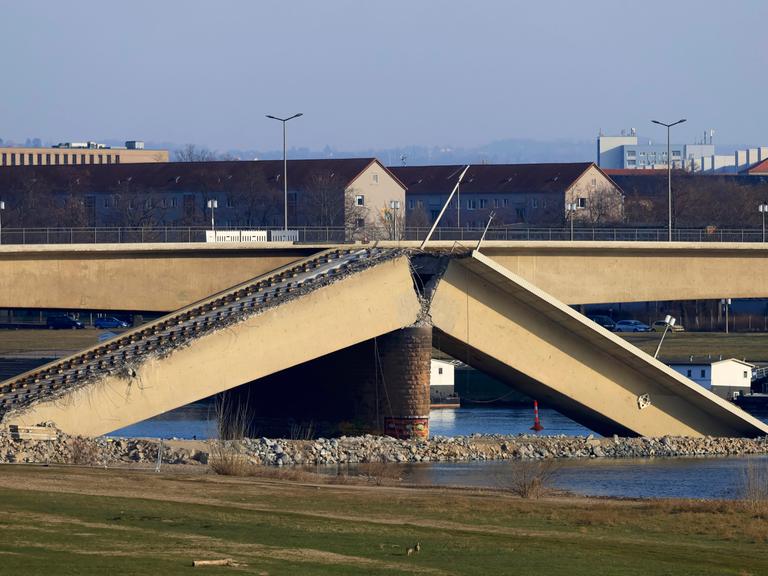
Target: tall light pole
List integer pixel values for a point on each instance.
(669, 169)
(285, 165)
(763, 209)
(394, 206)
(2, 207)
(571, 208)
(213, 204)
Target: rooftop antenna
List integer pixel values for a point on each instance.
(447, 202)
(403, 158)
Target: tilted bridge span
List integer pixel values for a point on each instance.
(369, 316)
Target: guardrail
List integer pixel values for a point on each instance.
(332, 235)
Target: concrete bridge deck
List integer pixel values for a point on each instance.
(165, 277)
(480, 312)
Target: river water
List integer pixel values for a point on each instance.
(631, 478)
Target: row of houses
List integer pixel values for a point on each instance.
(351, 193)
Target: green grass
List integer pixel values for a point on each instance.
(753, 346)
(67, 341)
(79, 521)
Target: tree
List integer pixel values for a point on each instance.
(191, 153)
(322, 200)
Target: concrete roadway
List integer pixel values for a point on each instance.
(165, 277)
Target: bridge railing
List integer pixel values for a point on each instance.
(337, 235)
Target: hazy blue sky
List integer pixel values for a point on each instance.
(380, 74)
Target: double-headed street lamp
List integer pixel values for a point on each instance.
(285, 164)
(669, 169)
(763, 208)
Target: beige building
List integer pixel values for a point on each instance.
(72, 154)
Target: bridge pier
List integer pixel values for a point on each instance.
(380, 386)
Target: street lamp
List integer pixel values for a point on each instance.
(285, 164)
(2, 207)
(669, 321)
(763, 209)
(213, 204)
(395, 206)
(571, 208)
(669, 169)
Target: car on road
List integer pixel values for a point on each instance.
(604, 321)
(109, 322)
(631, 326)
(659, 326)
(63, 323)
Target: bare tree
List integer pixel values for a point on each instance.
(323, 200)
(191, 153)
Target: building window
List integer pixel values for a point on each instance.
(360, 200)
(56, 159)
(744, 374)
(106, 202)
(13, 159)
(148, 203)
(688, 373)
(520, 213)
(91, 158)
(581, 202)
(74, 158)
(471, 204)
(109, 159)
(534, 203)
(65, 157)
(39, 159)
(31, 159)
(544, 203)
(117, 159)
(411, 204)
(482, 203)
(21, 159)
(495, 202)
(703, 373)
(375, 178)
(101, 158)
(82, 159)
(174, 202)
(506, 202)
(631, 154)
(5, 158)
(631, 162)
(439, 370)
(360, 222)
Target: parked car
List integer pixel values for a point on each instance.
(604, 321)
(631, 326)
(659, 326)
(63, 322)
(109, 322)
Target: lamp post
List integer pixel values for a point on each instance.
(2, 207)
(213, 204)
(571, 208)
(763, 208)
(395, 206)
(669, 321)
(669, 169)
(285, 165)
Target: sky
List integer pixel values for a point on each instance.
(380, 74)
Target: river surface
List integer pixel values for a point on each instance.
(708, 478)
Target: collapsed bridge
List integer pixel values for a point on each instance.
(363, 321)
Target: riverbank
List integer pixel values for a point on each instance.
(96, 521)
(364, 449)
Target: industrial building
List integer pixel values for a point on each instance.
(80, 153)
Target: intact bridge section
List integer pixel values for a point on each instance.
(356, 327)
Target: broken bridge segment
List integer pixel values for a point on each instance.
(295, 314)
(501, 324)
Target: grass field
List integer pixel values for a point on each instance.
(752, 346)
(25, 341)
(89, 521)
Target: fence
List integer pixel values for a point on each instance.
(328, 235)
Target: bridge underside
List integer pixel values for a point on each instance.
(508, 328)
(363, 322)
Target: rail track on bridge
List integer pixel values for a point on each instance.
(122, 354)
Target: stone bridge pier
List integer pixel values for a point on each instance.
(380, 386)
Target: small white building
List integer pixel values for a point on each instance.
(726, 378)
(441, 375)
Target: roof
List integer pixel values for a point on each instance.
(759, 168)
(491, 178)
(637, 171)
(183, 176)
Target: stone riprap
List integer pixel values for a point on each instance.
(362, 449)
